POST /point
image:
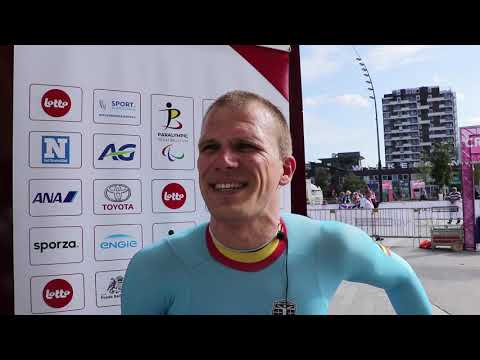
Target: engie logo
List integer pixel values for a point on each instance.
(174, 196)
(55, 149)
(56, 103)
(113, 151)
(117, 242)
(125, 152)
(57, 293)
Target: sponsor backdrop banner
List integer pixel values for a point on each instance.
(105, 150)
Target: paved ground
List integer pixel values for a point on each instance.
(451, 280)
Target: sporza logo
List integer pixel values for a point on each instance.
(167, 152)
(124, 153)
(55, 149)
(52, 198)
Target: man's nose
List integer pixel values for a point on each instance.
(226, 159)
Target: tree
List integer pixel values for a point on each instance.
(322, 178)
(425, 168)
(353, 183)
(441, 169)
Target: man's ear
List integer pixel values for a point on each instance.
(289, 166)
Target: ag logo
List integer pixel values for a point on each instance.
(123, 152)
(117, 192)
(174, 196)
(56, 103)
(57, 293)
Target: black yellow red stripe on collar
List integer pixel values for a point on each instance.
(384, 249)
(247, 266)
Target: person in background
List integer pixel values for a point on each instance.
(455, 198)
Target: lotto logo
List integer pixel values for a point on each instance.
(57, 293)
(56, 103)
(174, 196)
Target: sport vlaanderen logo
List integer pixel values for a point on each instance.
(56, 103)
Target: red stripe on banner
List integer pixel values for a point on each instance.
(271, 63)
(249, 267)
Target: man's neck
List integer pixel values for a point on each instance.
(245, 235)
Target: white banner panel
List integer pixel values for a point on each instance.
(105, 150)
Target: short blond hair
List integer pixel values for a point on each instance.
(239, 99)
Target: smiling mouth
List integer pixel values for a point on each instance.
(228, 187)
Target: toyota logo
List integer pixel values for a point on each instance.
(117, 192)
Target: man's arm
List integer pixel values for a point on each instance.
(368, 262)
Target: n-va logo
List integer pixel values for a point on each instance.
(51, 198)
(55, 150)
(124, 153)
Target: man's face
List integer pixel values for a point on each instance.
(239, 163)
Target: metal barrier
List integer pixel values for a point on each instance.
(412, 223)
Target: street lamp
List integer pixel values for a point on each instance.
(372, 89)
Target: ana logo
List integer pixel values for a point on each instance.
(122, 154)
(174, 196)
(171, 115)
(114, 288)
(117, 192)
(52, 198)
(167, 152)
(55, 149)
(57, 293)
(118, 241)
(56, 103)
(53, 245)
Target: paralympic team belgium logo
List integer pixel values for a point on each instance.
(172, 132)
(172, 126)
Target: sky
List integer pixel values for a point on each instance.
(338, 114)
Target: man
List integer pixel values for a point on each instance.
(455, 198)
(250, 258)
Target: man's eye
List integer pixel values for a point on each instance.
(246, 147)
(208, 147)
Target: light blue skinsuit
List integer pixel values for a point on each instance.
(179, 276)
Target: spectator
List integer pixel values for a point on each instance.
(455, 198)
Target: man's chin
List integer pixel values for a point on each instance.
(230, 213)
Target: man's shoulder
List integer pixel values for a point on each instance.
(324, 230)
(183, 247)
